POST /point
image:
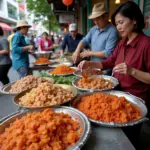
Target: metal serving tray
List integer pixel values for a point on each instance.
(49, 72)
(64, 86)
(42, 64)
(112, 79)
(78, 72)
(61, 63)
(75, 114)
(43, 52)
(131, 98)
(6, 88)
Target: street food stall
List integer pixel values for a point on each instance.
(82, 115)
(100, 138)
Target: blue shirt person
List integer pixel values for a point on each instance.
(102, 38)
(72, 39)
(20, 59)
(70, 42)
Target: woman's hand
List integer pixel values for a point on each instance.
(90, 64)
(123, 68)
(84, 64)
(86, 53)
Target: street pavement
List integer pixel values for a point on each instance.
(13, 75)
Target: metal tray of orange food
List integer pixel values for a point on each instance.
(74, 113)
(110, 78)
(41, 64)
(131, 98)
(49, 72)
(51, 62)
(78, 72)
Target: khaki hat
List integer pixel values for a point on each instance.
(72, 27)
(98, 10)
(22, 23)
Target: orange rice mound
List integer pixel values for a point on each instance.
(44, 130)
(42, 61)
(108, 108)
(63, 69)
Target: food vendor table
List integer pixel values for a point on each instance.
(101, 138)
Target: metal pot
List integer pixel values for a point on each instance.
(43, 54)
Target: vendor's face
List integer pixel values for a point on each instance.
(24, 30)
(100, 21)
(45, 36)
(124, 25)
(73, 33)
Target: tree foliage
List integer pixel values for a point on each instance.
(41, 10)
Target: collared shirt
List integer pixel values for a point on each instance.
(70, 42)
(20, 58)
(101, 40)
(136, 55)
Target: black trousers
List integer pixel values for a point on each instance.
(3, 73)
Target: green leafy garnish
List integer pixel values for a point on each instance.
(59, 79)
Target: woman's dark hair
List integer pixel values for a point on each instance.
(1, 31)
(45, 33)
(132, 11)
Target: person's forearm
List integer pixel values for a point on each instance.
(98, 54)
(25, 49)
(140, 75)
(80, 47)
(4, 52)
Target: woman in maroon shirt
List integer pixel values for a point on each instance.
(45, 44)
(131, 58)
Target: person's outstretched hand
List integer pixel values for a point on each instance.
(83, 64)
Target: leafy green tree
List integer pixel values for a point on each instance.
(21, 15)
(43, 12)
